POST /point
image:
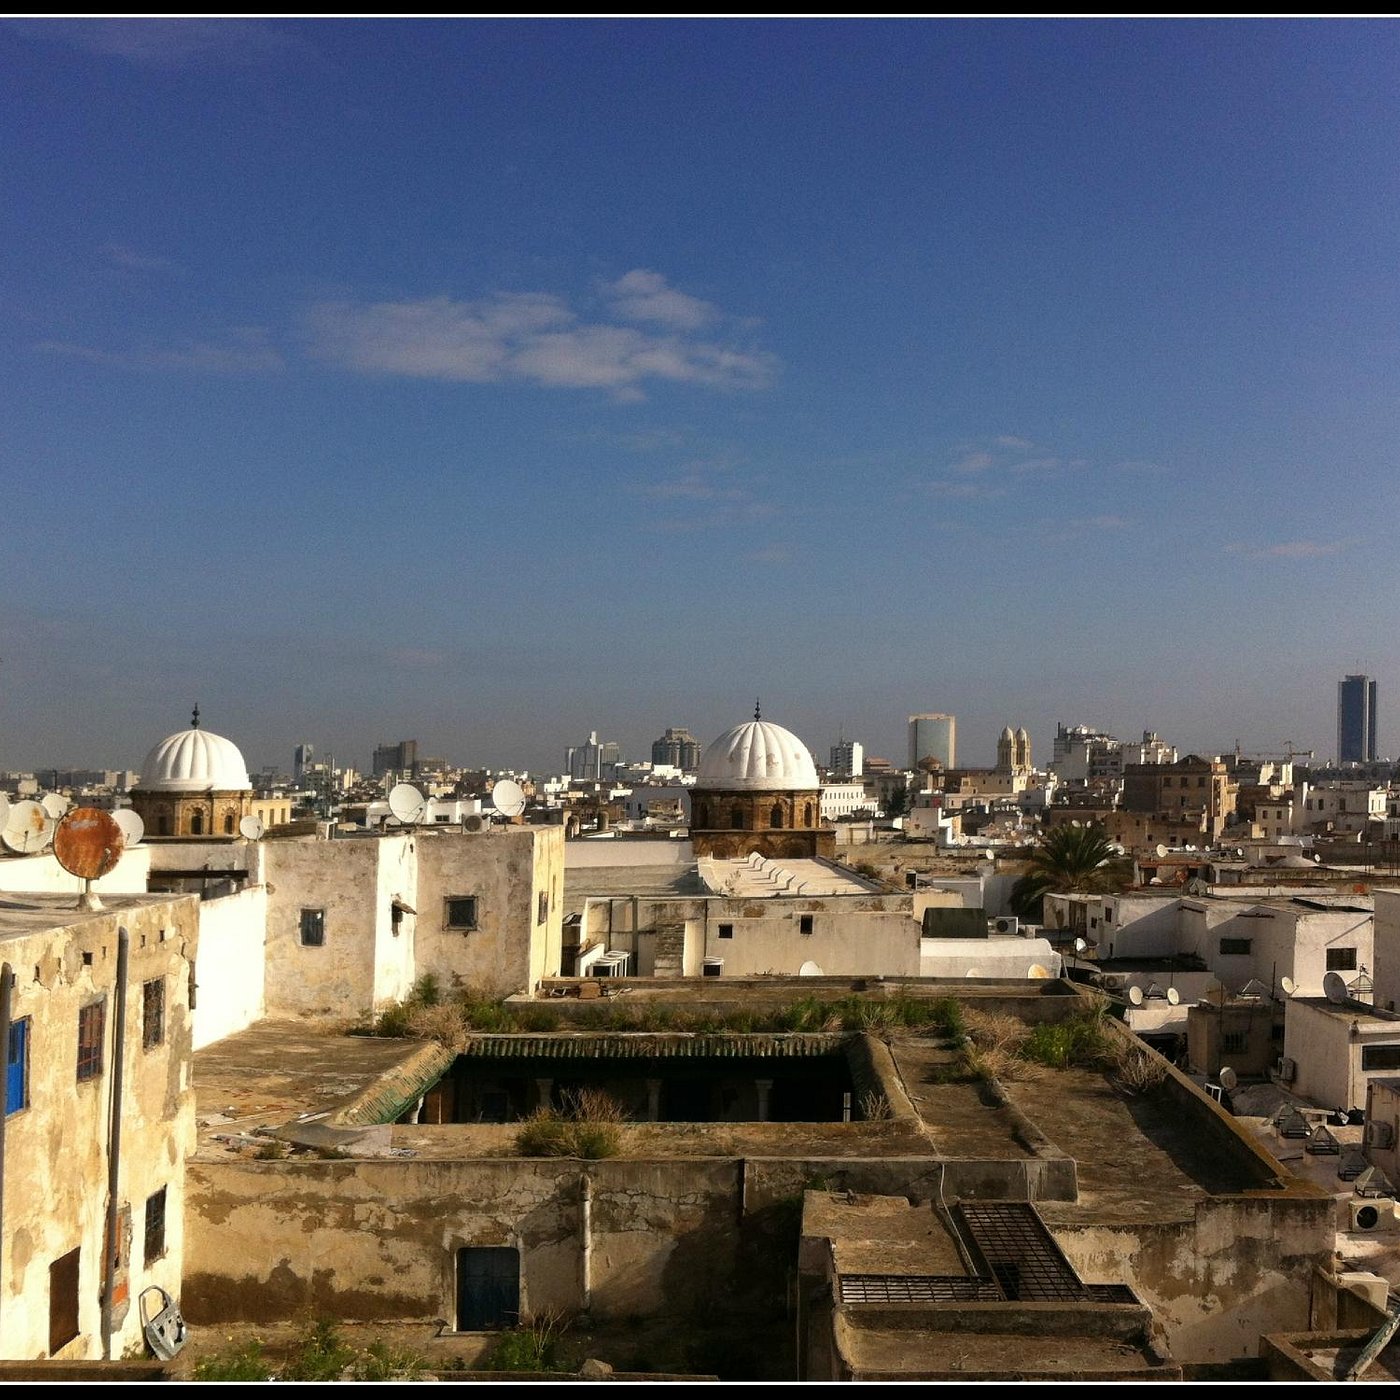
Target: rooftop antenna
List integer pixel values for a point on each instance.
(508, 798)
(132, 827)
(27, 828)
(88, 844)
(194, 716)
(755, 708)
(407, 804)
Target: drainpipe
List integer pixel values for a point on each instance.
(114, 1144)
(7, 978)
(586, 1230)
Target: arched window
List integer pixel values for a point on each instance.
(775, 817)
(736, 819)
(164, 823)
(228, 824)
(196, 823)
(702, 814)
(807, 815)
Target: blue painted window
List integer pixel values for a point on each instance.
(17, 1067)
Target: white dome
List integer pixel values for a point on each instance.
(757, 756)
(194, 760)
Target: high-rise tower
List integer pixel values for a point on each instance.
(1356, 720)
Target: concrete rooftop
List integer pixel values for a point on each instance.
(24, 914)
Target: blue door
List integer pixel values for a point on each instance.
(488, 1289)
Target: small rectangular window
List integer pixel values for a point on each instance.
(153, 1013)
(17, 1067)
(1341, 960)
(543, 911)
(460, 912)
(155, 1226)
(726, 930)
(1233, 1042)
(1380, 1057)
(1235, 947)
(63, 1300)
(92, 1021)
(804, 923)
(313, 928)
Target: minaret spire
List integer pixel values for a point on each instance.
(194, 717)
(756, 714)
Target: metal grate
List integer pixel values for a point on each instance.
(1020, 1253)
(1110, 1293)
(919, 1288)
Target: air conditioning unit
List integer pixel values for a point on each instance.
(1373, 1217)
(1380, 1135)
(1112, 981)
(1007, 925)
(1287, 1070)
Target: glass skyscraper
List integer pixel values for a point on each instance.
(1356, 720)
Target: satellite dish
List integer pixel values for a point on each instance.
(55, 804)
(133, 828)
(88, 843)
(1289, 986)
(1334, 987)
(252, 828)
(1173, 997)
(508, 798)
(809, 969)
(407, 803)
(1038, 971)
(973, 972)
(1161, 849)
(1228, 1077)
(1080, 945)
(1135, 996)
(1074, 823)
(27, 827)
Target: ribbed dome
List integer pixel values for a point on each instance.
(194, 760)
(757, 756)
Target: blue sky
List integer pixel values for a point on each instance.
(488, 383)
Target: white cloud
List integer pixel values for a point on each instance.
(962, 490)
(645, 296)
(167, 43)
(1017, 444)
(133, 261)
(1036, 466)
(536, 337)
(1290, 549)
(242, 350)
(973, 462)
(1101, 522)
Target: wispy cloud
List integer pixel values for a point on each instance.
(716, 494)
(167, 43)
(120, 256)
(1016, 444)
(1290, 549)
(1035, 466)
(242, 350)
(539, 338)
(973, 462)
(962, 490)
(645, 296)
(1100, 522)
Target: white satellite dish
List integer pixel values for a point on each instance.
(1334, 987)
(973, 972)
(1161, 849)
(1074, 823)
(55, 804)
(1289, 986)
(27, 828)
(251, 828)
(1038, 971)
(132, 827)
(1173, 997)
(1080, 946)
(1228, 1077)
(1135, 996)
(809, 969)
(407, 803)
(508, 798)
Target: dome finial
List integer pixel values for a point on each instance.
(756, 714)
(194, 717)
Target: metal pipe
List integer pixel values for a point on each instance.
(114, 1143)
(586, 1230)
(7, 981)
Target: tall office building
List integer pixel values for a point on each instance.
(593, 762)
(933, 736)
(848, 759)
(1356, 720)
(395, 758)
(301, 760)
(677, 748)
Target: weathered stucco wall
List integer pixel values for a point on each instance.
(379, 1239)
(230, 975)
(56, 1148)
(1215, 1284)
(505, 870)
(42, 874)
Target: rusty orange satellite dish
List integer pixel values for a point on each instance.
(88, 843)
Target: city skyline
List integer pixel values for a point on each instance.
(492, 383)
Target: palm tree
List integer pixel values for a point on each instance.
(1071, 860)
